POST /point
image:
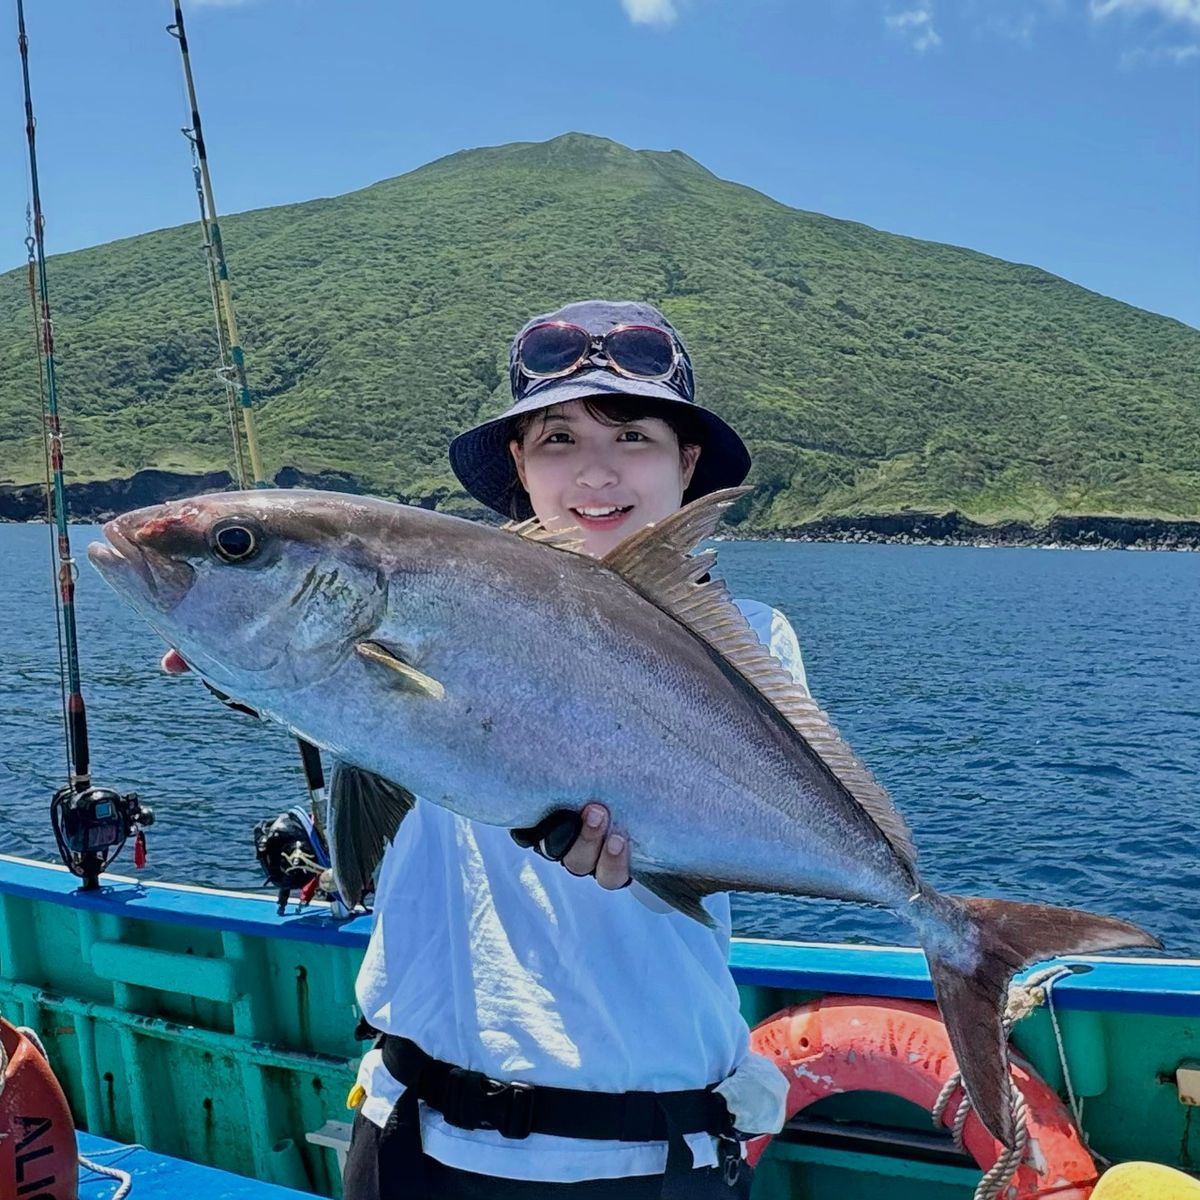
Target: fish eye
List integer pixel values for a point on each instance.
(235, 543)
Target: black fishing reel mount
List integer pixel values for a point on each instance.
(91, 826)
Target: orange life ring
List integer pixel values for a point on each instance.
(855, 1043)
(37, 1136)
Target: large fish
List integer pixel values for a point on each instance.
(502, 676)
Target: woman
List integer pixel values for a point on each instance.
(586, 1025)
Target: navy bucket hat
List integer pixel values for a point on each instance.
(481, 459)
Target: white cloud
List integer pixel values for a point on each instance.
(1184, 11)
(1017, 26)
(1144, 56)
(651, 12)
(1158, 49)
(1157, 32)
(917, 25)
(1013, 20)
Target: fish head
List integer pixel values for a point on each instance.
(259, 590)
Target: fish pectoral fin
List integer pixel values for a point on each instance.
(413, 680)
(680, 892)
(365, 811)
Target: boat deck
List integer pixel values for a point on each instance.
(158, 1177)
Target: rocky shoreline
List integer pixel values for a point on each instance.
(100, 500)
(105, 498)
(953, 529)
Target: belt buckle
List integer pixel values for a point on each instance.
(476, 1101)
(729, 1156)
(517, 1119)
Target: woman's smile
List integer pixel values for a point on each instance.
(601, 516)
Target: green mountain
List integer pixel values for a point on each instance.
(870, 373)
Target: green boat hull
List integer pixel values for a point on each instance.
(204, 1026)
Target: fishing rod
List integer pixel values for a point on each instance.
(90, 823)
(230, 347)
(195, 135)
(77, 736)
(226, 371)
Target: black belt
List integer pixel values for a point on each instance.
(472, 1100)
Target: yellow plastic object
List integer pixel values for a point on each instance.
(356, 1097)
(1146, 1181)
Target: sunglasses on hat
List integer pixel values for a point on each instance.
(557, 348)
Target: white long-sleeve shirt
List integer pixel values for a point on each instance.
(492, 958)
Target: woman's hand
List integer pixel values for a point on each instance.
(599, 850)
(583, 842)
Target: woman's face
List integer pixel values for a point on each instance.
(607, 480)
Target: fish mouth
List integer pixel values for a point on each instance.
(122, 561)
(120, 550)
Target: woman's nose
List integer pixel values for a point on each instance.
(595, 472)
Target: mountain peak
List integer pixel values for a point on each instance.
(575, 151)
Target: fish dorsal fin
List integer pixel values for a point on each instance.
(534, 531)
(656, 561)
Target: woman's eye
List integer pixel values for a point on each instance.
(559, 438)
(632, 435)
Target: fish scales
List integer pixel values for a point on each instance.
(576, 689)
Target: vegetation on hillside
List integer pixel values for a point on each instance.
(869, 372)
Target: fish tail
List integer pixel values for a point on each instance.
(974, 951)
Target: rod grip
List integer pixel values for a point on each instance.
(77, 722)
(314, 774)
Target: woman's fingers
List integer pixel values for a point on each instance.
(173, 663)
(599, 850)
(584, 854)
(612, 871)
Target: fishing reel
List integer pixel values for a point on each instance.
(92, 825)
(293, 856)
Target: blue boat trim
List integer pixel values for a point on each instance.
(157, 1177)
(180, 904)
(1155, 986)
(1162, 987)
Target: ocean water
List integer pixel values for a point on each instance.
(1034, 713)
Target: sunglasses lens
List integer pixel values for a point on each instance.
(551, 349)
(642, 350)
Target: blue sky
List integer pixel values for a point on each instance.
(1064, 133)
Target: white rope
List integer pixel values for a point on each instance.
(1023, 998)
(1000, 1173)
(1076, 1102)
(123, 1178)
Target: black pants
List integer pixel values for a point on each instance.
(388, 1165)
